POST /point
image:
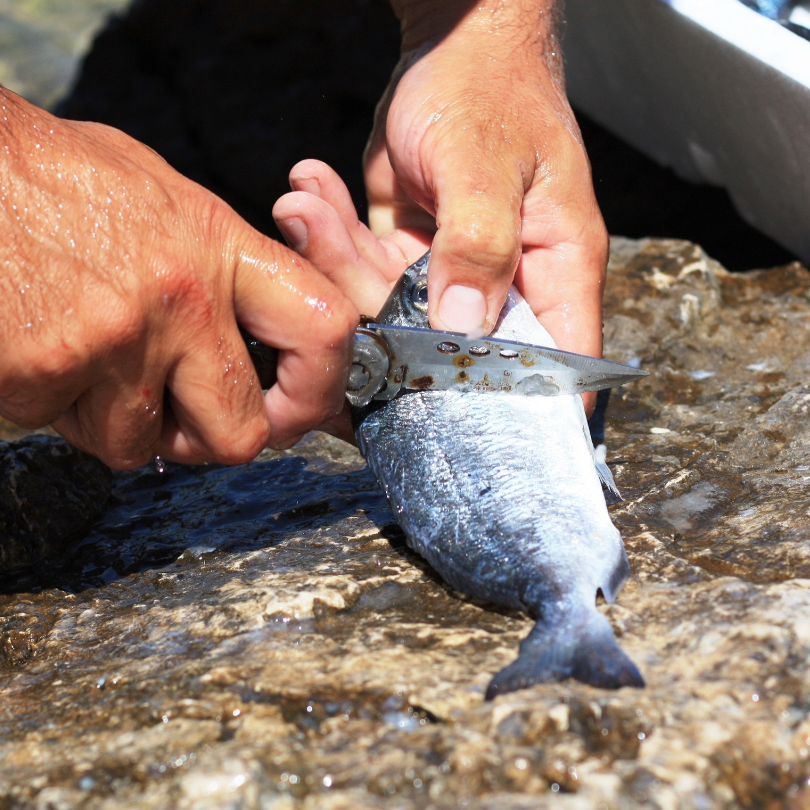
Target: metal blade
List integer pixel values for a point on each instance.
(429, 360)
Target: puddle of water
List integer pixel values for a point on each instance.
(682, 511)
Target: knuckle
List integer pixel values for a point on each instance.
(121, 327)
(492, 249)
(211, 218)
(118, 440)
(123, 453)
(339, 327)
(242, 446)
(33, 401)
(28, 417)
(176, 279)
(49, 362)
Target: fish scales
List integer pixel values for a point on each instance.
(500, 494)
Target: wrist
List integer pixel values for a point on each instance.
(505, 22)
(521, 33)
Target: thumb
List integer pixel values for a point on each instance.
(477, 246)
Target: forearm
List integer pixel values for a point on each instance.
(509, 28)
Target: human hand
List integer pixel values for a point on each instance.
(475, 139)
(319, 221)
(122, 285)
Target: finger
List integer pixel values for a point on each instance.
(564, 286)
(390, 208)
(175, 444)
(119, 423)
(323, 181)
(478, 243)
(401, 247)
(179, 444)
(314, 229)
(285, 302)
(215, 399)
(340, 426)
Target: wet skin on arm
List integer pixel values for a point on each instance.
(122, 284)
(123, 281)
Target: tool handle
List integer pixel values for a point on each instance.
(264, 357)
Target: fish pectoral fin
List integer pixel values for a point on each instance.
(580, 647)
(612, 493)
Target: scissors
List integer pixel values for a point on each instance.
(388, 361)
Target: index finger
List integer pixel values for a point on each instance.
(285, 302)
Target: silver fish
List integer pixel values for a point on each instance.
(502, 496)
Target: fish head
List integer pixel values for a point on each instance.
(407, 303)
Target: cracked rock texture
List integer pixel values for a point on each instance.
(259, 637)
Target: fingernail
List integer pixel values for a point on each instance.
(309, 184)
(463, 309)
(295, 232)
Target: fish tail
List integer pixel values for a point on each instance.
(583, 648)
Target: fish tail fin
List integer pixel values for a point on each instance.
(583, 649)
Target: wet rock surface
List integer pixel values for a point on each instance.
(50, 494)
(260, 637)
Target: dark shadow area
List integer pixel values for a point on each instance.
(639, 198)
(234, 92)
(153, 518)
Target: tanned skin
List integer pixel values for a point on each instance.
(123, 282)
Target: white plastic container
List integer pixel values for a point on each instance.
(708, 87)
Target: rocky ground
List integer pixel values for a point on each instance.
(259, 636)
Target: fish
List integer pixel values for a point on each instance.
(503, 496)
